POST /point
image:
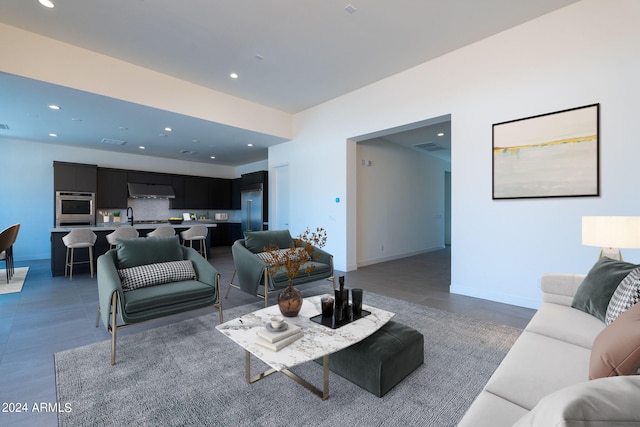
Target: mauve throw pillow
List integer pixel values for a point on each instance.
(597, 288)
(616, 350)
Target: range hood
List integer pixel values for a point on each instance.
(150, 191)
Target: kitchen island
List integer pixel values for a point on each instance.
(221, 233)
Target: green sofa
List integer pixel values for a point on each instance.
(252, 272)
(151, 277)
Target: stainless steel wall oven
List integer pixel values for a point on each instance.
(75, 208)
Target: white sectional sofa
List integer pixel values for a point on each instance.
(544, 379)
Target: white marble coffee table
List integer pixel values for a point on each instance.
(318, 341)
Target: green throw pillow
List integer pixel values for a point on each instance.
(595, 292)
(256, 241)
(148, 250)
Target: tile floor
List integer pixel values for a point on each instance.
(52, 314)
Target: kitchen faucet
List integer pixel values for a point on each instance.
(130, 218)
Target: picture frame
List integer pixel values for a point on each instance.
(549, 155)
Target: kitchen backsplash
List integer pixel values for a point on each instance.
(158, 209)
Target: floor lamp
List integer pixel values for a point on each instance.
(611, 233)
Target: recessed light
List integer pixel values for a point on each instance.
(440, 134)
(213, 157)
(195, 141)
(249, 145)
(162, 134)
(53, 135)
(123, 128)
(142, 147)
(168, 129)
(233, 75)
(75, 119)
(47, 3)
(259, 57)
(54, 107)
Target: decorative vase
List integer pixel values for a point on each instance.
(290, 301)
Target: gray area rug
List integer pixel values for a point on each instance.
(188, 373)
(16, 282)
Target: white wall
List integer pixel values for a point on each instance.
(27, 191)
(585, 53)
(24, 53)
(400, 202)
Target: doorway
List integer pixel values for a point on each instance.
(391, 168)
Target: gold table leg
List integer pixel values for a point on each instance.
(247, 370)
(323, 394)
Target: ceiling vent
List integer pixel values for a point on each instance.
(4, 127)
(113, 141)
(429, 146)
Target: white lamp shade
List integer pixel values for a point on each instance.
(611, 231)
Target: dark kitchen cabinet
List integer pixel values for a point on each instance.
(191, 192)
(149, 178)
(196, 192)
(236, 197)
(235, 232)
(177, 182)
(225, 233)
(249, 180)
(219, 193)
(217, 235)
(112, 188)
(74, 177)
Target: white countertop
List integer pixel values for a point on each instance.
(145, 226)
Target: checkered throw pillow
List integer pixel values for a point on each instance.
(156, 274)
(626, 295)
(268, 257)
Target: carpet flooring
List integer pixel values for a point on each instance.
(16, 282)
(188, 373)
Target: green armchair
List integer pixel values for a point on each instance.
(253, 273)
(146, 278)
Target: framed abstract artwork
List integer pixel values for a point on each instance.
(550, 155)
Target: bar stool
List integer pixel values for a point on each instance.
(121, 233)
(162, 231)
(78, 238)
(197, 232)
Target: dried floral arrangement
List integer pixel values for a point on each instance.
(302, 249)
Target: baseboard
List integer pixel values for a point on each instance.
(496, 296)
(364, 263)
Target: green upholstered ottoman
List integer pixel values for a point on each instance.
(382, 360)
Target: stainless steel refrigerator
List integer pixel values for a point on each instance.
(252, 208)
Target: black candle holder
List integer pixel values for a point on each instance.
(331, 322)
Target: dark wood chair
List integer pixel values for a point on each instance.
(8, 237)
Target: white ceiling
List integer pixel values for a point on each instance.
(289, 55)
